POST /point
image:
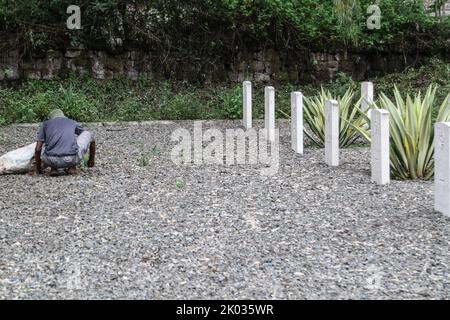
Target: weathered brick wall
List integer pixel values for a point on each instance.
(263, 66)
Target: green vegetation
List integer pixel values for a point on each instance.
(147, 156)
(88, 100)
(84, 162)
(180, 184)
(413, 80)
(220, 28)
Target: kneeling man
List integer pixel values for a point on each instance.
(62, 143)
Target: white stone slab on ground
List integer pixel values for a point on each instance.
(380, 161)
(332, 133)
(442, 168)
(17, 161)
(247, 104)
(297, 122)
(269, 107)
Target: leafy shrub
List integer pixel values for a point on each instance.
(413, 80)
(232, 102)
(209, 29)
(76, 105)
(34, 105)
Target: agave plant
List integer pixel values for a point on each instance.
(351, 118)
(412, 132)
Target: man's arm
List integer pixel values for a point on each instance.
(91, 162)
(37, 152)
(37, 156)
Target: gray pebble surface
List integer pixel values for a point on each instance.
(124, 230)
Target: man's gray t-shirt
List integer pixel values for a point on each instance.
(59, 136)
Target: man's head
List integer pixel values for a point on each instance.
(56, 113)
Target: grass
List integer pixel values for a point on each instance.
(180, 184)
(147, 157)
(88, 100)
(84, 162)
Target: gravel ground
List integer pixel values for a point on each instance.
(138, 226)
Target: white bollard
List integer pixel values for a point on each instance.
(332, 133)
(269, 107)
(367, 95)
(247, 103)
(297, 122)
(380, 162)
(442, 168)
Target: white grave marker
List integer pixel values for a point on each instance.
(297, 122)
(269, 107)
(332, 133)
(367, 95)
(442, 168)
(380, 161)
(247, 103)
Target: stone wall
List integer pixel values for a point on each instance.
(99, 65)
(258, 66)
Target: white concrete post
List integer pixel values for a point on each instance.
(442, 168)
(380, 162)
(269, 107)
(332, 133)
(247, 103)
(367, 97)
(297, 122)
